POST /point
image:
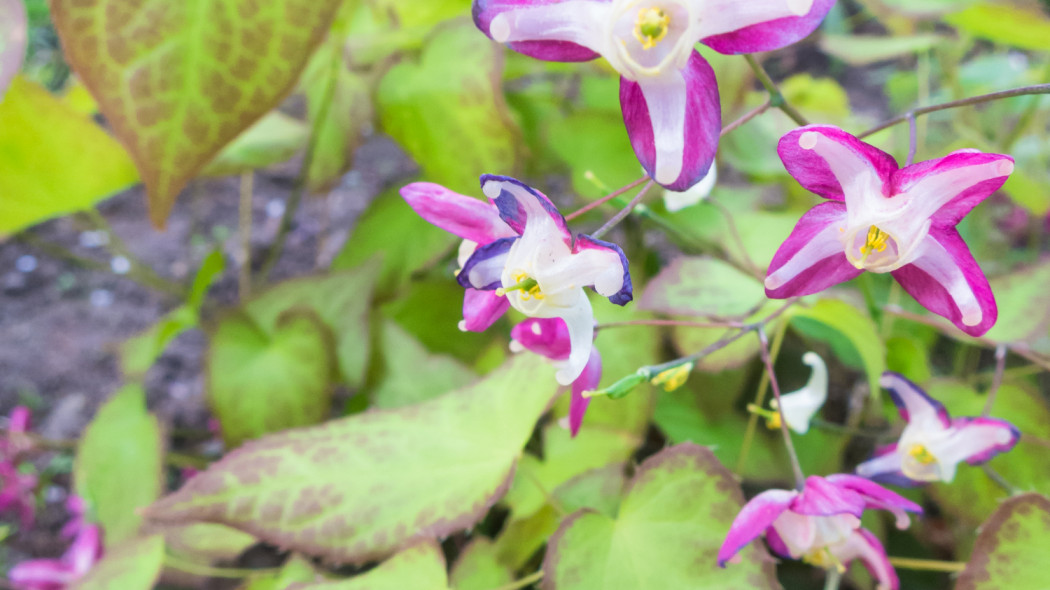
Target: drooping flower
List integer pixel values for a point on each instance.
(549, 337)
(933, 444)
(61, 573)
(526, 258)
(882, 218)
(675, 201)
(821, 524)
(800, 406)
(668, 92)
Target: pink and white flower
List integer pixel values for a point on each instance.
(668, 92)
(61, 573)
(933, 444)
(821, 524)
(882, 218)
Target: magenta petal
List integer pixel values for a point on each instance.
(517, 202)
(868, 549)
(20, 419)
(772, 34)
(469, 218)
(913, 404)
(687, 126)
(957, 182)
(85, 550)
(853, 157)
(481, 309)
(585, 242)
(485, 266)
(876, 496)
(822, 497)
(946, 280)
(812, 258)
(985, 437)
(549, 50)
(548, 337)
(587, 381)
(753, 520)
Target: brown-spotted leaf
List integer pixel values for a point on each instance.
(179, 80)
(13, 37)
(1010, 552)
(358, 488)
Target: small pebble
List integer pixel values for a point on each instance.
(26, 263)
(93, 238)
(120, 265)
(101, 298)
(275, 208)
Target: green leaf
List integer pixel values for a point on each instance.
(817, 95)
(132, 565)
(703, 287)
(204, 542)
(595, 142)
(862, 50)
(415, 13)
(1023, 313)
(667, 534)
(478, 567)
(13, 37)
(598, 489)
(271, 140)
(447, 110)
(296, 569)
(421, 567)
(521, 539)
(689, 340)
(356, 489)
(431, 310)
(123, 441)
(260, 382)
(178, 81)
(55, 160)
(851, 334)
(404, 360)
(1024, 28)
(1010, 551)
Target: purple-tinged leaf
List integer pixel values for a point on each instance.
(1010, 551)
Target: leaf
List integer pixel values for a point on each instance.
(1023, 314)
(670, 525)
(421, 567)
(56, 160)
(431, 310)
(271, 140)
(13, 37)
(178, 81)
(595, 142)
(296, 569)
(132, 565)
(519, 540)
(448, 112)
(356, 489)
(204, 542)
(123, 441)
(598, 489)
(261, 382)
(851, 334)
(1010, 551)
(703, 287)
(404, 360)
(1024, 28)
(862, 50)
(478, 567)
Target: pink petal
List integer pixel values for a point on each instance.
(977, 440)
(777, 28)
(587, 381)
(825, 159)
(946, 280)
(813, 257)
(876, 497)
(481, 309)
(85, 550)
(673, 122)
(469, 218)
(548, 337)
(756, 516)
(885, 468)
(518, 201)
(620, 287)
(19, 420)
(551, 30)
(912, 402)
(822, 497)
(485, 266)
(946, 189)
(865, 546)
(41, 574)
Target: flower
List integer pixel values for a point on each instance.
(17, 488)
(885, 219)
(525, 258)
(821, 524)
(933, 444)
(549, 337)
(799, 406)
(668, 92)
(675, 201)
(58, 574)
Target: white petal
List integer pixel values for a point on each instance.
(579, 319)
(800, 406)
(860, 182)
(937, 262)
(665, 98)
(678, 200)
(577, 21)
(724, 16)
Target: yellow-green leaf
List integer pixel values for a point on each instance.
(133, 565)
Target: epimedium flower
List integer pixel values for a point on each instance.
(526, 258)
(821, 524)
(675, 201)
(549, 337)
(882, 218)
(933, 444)
(61, 573)
(668, 92)
(17, 486)
(801, 405)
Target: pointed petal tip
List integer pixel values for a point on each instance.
(808, 140)
(499, 28)
(800, 7)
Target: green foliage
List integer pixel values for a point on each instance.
(132, 565)
(478, 567)
(296, 569)
(667, 533)
(358, 488)
(704, 287)
(1014, 26)
(851, 334)
(859, 50)
(404, 359)
(271, 140)
(1011, 548)
(419, 567)
(1023, 316)
(199, 73)
(122, 442)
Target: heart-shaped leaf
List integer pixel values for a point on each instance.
(1010, 551)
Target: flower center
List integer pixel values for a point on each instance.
(824, 558)
(875, 242)
(877, 251)
(528, 286)
(921, 454)
(651, 27)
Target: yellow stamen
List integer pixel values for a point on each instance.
(772, 416)
(875, 242)
(673, 378)
(651, 27)
(528, 286)
(824, 558)
(921, 454)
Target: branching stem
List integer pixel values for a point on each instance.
(930, 565)
(800, 479)
(605, 199)
(776, 98)
(623, 212)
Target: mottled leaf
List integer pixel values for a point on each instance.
(356, 489)
(13, 37)
(203, 542)
(478, 567)
(179, 80)
(56, 160)
(271, 140)
(703, 287)
(670, 525)
(123, 441)
(404, 360)
(132, 565)
(1010, 551)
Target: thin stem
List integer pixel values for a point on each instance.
(999, 479)
(521, 583)
(747, 116)
(760, 400)
(1023, 91)
(1035, 440)
(775, 96)
(139, 271)
(677, 323)
(800, 480)
(913, 139)
(832, 579)
(214, 572)
(605, 199)
(930, 565)
(997, 380)
(623, 212)
(735, 234)
(244, 277)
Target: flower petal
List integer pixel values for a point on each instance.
(865, 546)
(614, 281)
(876, 496)
(547, 337)
(813, 257)
(481, 309)
(19, 420)
(756, 516)
(946, 280)
(552, 30)
(835, 165)
(469, 218)
(85, 550)
(977, 440)
(41, 574)
(799, 407)
(821, 497)
(948, 188)
(484, 267)
(732, 26)
(885, 468)
(587, 381)
(518, 201)
(673, 121)
(913, 404)
(579, 320)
